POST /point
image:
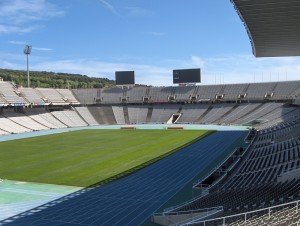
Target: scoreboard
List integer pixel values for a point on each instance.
(125, 78)
(186, 76)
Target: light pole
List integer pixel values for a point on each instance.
(27, 51)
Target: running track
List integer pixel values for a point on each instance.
(133, 199)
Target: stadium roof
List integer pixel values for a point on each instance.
(273, 26)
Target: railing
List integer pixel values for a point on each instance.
(204, 193)
(209, 212)
(192, 215)
(214, 169)
(244, 215)
(209, 174)
(189, 211)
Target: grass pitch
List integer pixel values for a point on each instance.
(86, 157)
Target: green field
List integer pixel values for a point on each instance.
(86, 157)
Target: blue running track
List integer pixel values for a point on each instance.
(131, 200)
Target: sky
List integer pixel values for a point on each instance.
(151, 37)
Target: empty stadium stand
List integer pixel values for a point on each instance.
(86, 114)
(267, 175)
(261, 105)
(260, 177)
(9, 94)
(137, 114)
(86, 96)
(69, 118)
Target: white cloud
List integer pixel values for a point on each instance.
(41, 48)
(33, 47)
(145, 74)
(8, 29)
(247, 68)
(219, 70)
(197, 62)
(131, 11)
(17, 16)
(110, 7)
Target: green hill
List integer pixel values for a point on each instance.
(45, 79)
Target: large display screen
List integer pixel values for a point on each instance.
(124, 78)
(186, 76)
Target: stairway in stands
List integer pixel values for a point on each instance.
(126, 114)
(248, 113)
(219, 120)
(96, 114)
(204, 114)
(149, 114)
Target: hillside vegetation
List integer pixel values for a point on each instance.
(45, 79)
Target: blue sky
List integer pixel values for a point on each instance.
(99, 37)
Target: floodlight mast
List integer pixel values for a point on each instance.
(27, 51)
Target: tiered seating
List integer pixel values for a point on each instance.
(135, 94)
(273, 153)
(183, 93)
(160, 94)
(69, 118)
(278, 113)
(104, 115)
(137, 114)
(239, 112)
(265, 176)
(280, 215)
(232, 91)
(8, 94)
(284, 90)
(112, 95)
(26, 121)
(161, 114)
(258, 90)
(119, 114)
(209, 92)
(246, 199)
(48, 120)
(287, 215)
(51, 96)
(68, 96)
(259, 113)
(216, 113)
(85, 96)
(266, 163)
(3, 132)
(283, 131)
(229, 92)
(32, 96)
(191, 113)
(107, 115)
(288, 114)
(11, 127)
(86, 114)
(3, 102)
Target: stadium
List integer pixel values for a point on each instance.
(224, 154)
